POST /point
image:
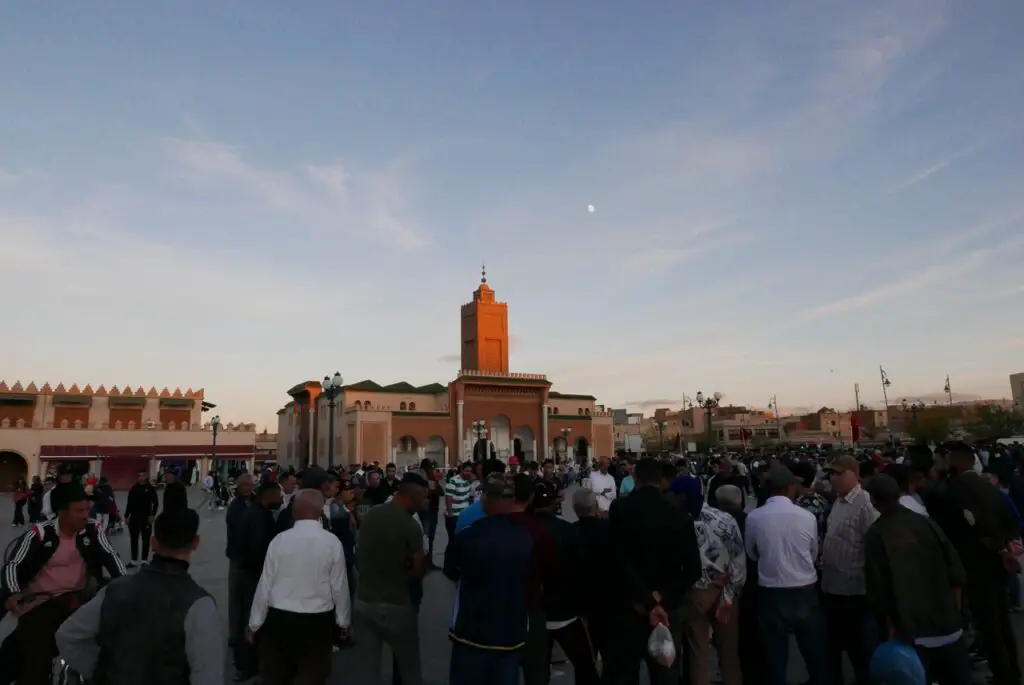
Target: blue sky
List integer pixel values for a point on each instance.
(245, 194)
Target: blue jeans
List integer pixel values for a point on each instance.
(782, 612)
(475, 666)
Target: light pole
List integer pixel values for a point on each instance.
(949, 391)
(885, 398)
(661, 426)
(479, 430)
(332, 388)
(709, 404)
(214, 425)
(773, 403)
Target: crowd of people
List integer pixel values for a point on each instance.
(917, 548)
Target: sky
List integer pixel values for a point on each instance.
(244, 195)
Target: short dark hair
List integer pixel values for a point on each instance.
(523, 486)
(176, 528)
(868, 469)
(493, 466)
(390, 466)
(466, 465)
(65, 494)
(805, 472)
(549, 462)
(960, 451)
(265, 487)
(648, 471)
(900, 473)
(412, 479)
(920, 459)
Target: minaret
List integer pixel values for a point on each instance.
(485, 331)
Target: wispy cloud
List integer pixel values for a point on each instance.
(935, 168)
(330, 198)
(10, 178)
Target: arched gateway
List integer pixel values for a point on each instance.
(13, 468)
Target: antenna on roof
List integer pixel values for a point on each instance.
(483, 272)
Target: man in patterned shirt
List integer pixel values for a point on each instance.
(458, 495)
(809, 498)
(709, 604)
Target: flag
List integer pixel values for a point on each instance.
(854, 427)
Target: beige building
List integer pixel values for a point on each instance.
(486, 409)
(116, 432)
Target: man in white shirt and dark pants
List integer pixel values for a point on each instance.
(783, 539)
(603, 485)
(302, 594)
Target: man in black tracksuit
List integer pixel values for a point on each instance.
(139, 513)
(563, 594)
(175, 494)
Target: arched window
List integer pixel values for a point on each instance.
(412, 406)
(580, 411)
(358, 404)
(401, 407)
(556, 410)
(587, 412)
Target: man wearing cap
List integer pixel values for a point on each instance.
(914, 581)
(851, 628)
(783, 539)
(564, 602)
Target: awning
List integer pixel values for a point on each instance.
(60, 452)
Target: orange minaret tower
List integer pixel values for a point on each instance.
(485, 331)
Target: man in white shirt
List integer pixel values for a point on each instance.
(783, 539)
(302, 594)
(603, 485)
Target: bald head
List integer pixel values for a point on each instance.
(243, 486)
(307, 505)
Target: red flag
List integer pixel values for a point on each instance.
(854, 428)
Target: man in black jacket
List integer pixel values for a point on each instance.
(139, 513)
(157, 626)
(43, 601)
(599, 575)
(656, 547)
(256, 530)
(175, 494)
(564, 600)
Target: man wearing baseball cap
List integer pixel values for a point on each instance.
(842, 570)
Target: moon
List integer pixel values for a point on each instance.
(590, 208)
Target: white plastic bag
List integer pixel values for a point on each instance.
(660, 645)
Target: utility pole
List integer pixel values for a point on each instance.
(949, 391)
(856, 396)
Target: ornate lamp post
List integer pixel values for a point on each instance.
(709, 403)
(214, 426)
(479, 432)
(661, 426)
(773, 404)
(885, 398)
(332, 388)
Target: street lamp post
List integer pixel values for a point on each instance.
(332, 388)
(949, 391)
(661, 426)
(709, 404)
(214, 425)
(773, 403)
(885, 398)
(479, 431)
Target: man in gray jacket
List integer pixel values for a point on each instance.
(157, 626)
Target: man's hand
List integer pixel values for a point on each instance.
(658, 615)
(721, 579)
(723, 613)
(250, 636)
(11, 605)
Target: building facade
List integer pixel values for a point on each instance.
(1017, 389)
(486, 408)
(116, 432)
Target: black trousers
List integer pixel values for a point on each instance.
(629, 648)
(296, 648)
(846, 619)
(575, 642)
(990, 610)
(36, 637)
(246, 656)
(947, 665)
(139, 528)
(19, 513)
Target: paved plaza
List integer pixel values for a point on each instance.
(209, 568)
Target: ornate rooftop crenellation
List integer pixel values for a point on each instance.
(498, 374)
(17, 388)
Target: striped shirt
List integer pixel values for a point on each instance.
(460, 490)
(842, 555)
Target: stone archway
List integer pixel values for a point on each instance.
(407, 452)
(434, 448)
(13, 467)
(501, 436)
(523, 444)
